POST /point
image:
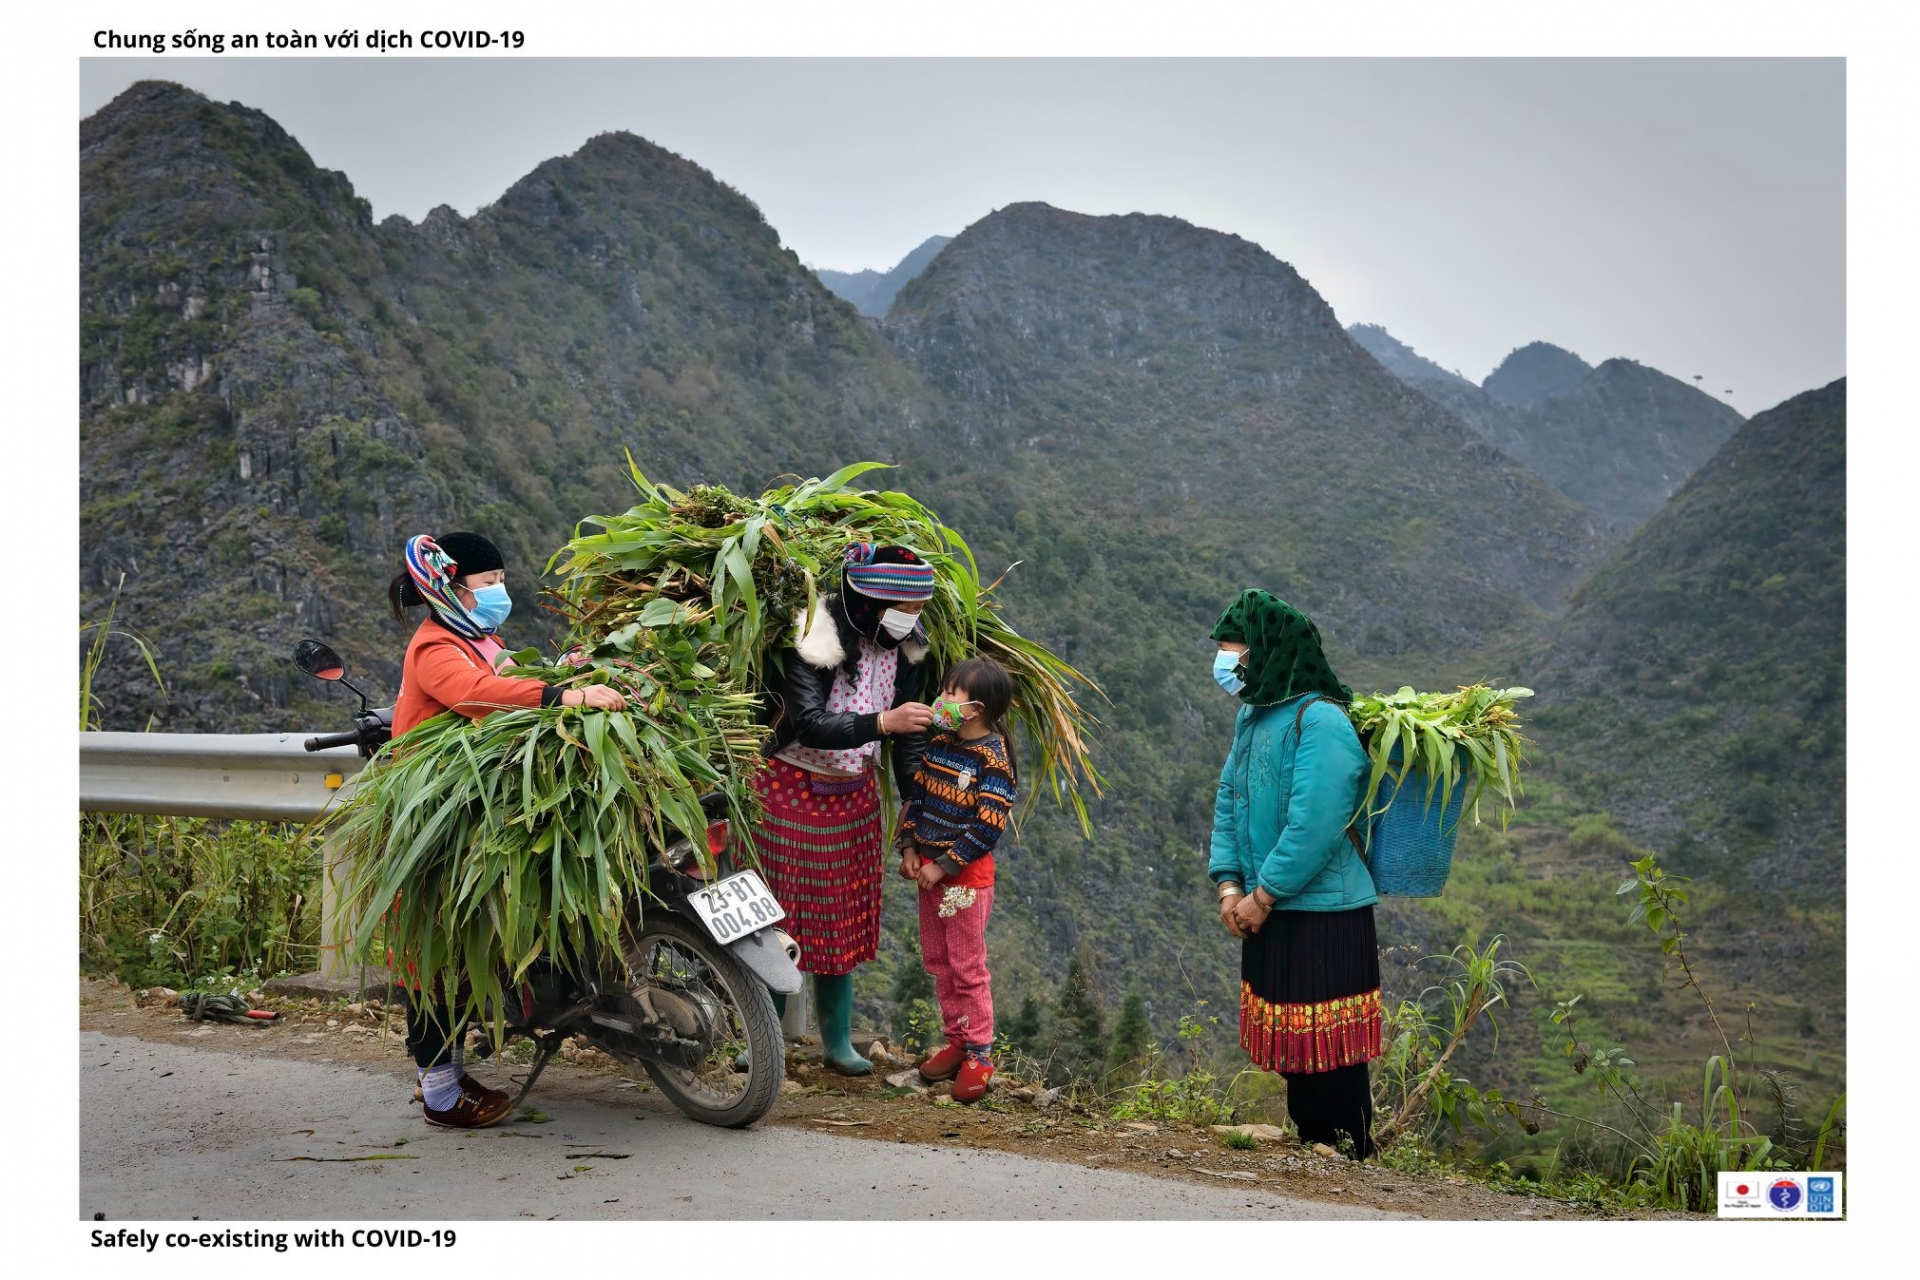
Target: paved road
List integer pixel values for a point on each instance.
(169, 1132)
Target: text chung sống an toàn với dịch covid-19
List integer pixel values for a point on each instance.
(196, 41)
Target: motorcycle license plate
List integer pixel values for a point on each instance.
(737, 906)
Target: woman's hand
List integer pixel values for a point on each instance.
(596, 697)
(1250, 915)
(576, 657)
(908, 717)
(930, 874)
(1227, 904)
(910, 862)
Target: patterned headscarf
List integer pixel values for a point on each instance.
(894, 574)
(1283, 658)
(433, 572)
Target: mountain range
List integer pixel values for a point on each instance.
(872, 292)
(1618, 439)
(1731, 605)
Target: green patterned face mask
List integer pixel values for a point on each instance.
(949, 714)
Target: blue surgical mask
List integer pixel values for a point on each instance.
(1224, 675)
(491, 605)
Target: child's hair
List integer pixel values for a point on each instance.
(988, 683)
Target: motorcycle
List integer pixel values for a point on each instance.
(687, 999)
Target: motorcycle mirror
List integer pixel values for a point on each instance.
(319, 661)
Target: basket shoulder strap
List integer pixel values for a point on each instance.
(1359, 845)
(1300, 713)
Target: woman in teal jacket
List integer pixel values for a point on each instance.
(1291, 881)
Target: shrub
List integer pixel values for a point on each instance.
(186, 902)
(307, 302)
(1192, 1099)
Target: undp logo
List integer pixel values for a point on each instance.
(1784, 1195)
(1820, 1195)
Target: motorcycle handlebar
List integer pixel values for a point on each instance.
(326, 740)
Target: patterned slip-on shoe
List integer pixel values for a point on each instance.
(942, 1065)
(477, 1107)
(976, 1076)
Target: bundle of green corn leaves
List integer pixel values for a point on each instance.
(485, 845)
(1471, 733)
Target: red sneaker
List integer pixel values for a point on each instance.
(976, 1076)
(942, 1065)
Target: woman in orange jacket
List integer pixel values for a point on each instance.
(450, 666)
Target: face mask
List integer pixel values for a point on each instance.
(491, 605)
(1224, 663)
(948, 714)
(897, 624)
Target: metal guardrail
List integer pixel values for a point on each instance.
(267, 776)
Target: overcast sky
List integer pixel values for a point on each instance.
(1687, 214)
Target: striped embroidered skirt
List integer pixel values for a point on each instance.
(820, 851)
(1310, 991)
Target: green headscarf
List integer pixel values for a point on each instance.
(1283, 658)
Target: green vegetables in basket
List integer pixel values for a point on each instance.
(1443, 736)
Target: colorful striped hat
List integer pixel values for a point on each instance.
(888, 573)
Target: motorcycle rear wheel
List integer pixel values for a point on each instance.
(674, 953)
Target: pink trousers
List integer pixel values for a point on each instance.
(954, 950)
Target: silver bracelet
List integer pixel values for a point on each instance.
(1228, 889)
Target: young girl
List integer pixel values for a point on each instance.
(963, 791)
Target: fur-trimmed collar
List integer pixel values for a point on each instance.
(818, 638)
(820, 644)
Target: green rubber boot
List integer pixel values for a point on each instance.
(743, 1061)
(833, 1001)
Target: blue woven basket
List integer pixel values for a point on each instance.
(1412, 850)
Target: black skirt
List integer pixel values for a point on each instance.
(1310, 991)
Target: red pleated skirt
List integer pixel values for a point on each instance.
(820, 852)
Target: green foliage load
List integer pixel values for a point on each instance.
(756, 565)
(1440, 736)
(486, 845)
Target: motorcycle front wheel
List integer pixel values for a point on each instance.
(734, 1011)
